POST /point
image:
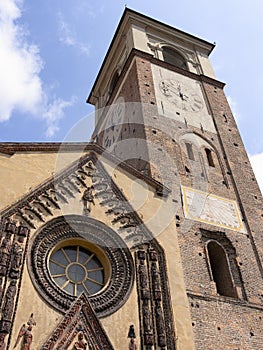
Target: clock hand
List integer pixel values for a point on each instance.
(169, 88)
(183, 96)
(165, 88)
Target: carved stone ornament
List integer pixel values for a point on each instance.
(155, 309)
(108, 299)
(80, 321)
(25, 337)
(81, 343)
(88, 199)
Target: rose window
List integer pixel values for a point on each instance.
(76, 269)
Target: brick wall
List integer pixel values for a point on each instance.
(218, 322)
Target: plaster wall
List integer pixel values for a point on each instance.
(157, 214)
(23, 171)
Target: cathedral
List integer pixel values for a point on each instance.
(150, 236)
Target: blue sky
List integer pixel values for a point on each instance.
(51, 52)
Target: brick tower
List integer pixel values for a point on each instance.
(160, 109)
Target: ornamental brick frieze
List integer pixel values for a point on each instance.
(12, 255)
(89, 180)
(154, 306)
(41, 204)
(80, 321)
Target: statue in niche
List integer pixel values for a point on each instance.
(9, 300)
(142, 274)
(1, 289)
(88, 199)
(2, 341)
(23, 231)
(4, 254)
(80, 344)
(25, 334)
(155, 277)
(159, 319)
(146, 318)
(16, 260)
(153, 255)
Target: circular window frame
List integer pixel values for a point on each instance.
(111, 247)
(94, 249)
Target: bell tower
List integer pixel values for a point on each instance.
(160, 108)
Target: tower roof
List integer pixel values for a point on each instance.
(131, 17)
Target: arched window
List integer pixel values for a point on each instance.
(220, 270)
(190, 152)
(173, 57)
(209, 157)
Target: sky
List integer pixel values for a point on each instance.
(51, 52)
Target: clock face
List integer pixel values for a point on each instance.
(113, 125)
(182, 96)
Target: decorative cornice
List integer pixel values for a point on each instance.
(223, 299)
(156, 61)
(11, 148)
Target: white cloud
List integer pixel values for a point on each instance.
(21, 87)
(20, 64)
(233, 106)
(68, 38)
(54, 113)
(257, 164)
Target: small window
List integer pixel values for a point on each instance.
(209, 157)
(173, 57)
(220, 270)
(190, 153)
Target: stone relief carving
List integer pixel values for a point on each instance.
(2, 341)
(154, 300)
(81, 321)
(8, 306)
(25, 336)
(88, 199)
(5, 254)
(11, 259)
(40, 206)
(16, 260)
(81, 343)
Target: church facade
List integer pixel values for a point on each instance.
(149, 237)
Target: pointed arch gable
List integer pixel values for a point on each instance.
(80, 317)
